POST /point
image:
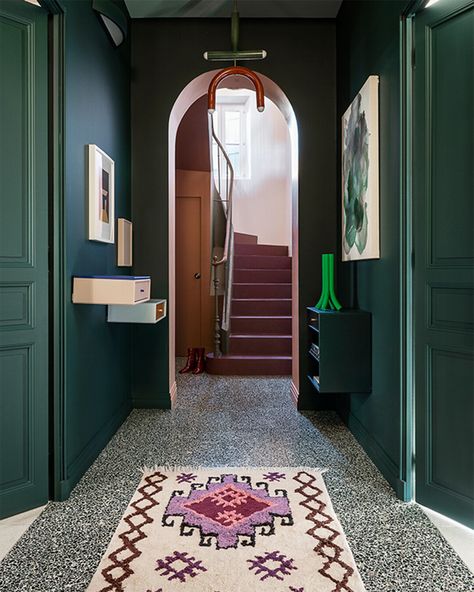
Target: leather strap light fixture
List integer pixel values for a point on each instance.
(235, 71)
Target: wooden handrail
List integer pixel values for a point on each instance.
(235, 71)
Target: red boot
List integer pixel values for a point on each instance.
(199, 369)
(191, 361)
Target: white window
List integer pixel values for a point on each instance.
(231, 127)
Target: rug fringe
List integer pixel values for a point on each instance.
(146, 470)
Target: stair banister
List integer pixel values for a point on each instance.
(224, 185)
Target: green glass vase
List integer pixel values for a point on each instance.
(328, 299)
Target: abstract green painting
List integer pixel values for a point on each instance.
(360, 175)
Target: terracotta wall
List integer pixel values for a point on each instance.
(192, 140)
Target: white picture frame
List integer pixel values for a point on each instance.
(360, 175)
(101, 169)
(124, 243)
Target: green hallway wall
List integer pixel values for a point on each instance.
(166, 56)
(97, 111)
(368, 41)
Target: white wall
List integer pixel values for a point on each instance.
(262, 204)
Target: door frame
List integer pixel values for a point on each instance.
(407, 313)
(57, 280)
(184, 190)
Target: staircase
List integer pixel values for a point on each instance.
(260, 322)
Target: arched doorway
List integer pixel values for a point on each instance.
(189, 95)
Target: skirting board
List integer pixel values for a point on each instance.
(378, 455)
(160, 401)
(91, 451)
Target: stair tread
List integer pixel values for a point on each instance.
(253, 256)
(259, 336)
(253, 317)
(261, 299)
(245, 357)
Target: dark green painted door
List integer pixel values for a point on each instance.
(444, 258)
(23, 257)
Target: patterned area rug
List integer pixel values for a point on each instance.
(229, 530)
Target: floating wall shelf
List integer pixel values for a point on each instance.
(147, 312)
(111, 289)
(339, 350)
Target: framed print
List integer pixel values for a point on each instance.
(124, 243)
(360, 175)
(101, 195)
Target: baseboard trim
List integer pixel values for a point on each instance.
(173, 394)
(377, 454)
(91, 451)
(162, 401)
(294, 393)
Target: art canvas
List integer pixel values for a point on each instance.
(360, 175)
(101, 195)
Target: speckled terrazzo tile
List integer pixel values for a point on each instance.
(241, 422)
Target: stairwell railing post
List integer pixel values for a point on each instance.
(217, 321)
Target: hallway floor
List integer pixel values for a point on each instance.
(245, 422)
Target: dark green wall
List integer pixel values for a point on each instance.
(97, 111)
(166, 56)
(368, 43)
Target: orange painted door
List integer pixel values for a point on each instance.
(188, 274)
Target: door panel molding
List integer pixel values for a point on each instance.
(24, 398)
(21, 254)
(443, 316)
(434, 354)
(435, 258)
(16, 305)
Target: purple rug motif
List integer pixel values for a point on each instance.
(228, 509)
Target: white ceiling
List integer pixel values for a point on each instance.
(223, 8)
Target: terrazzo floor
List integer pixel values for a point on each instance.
(241, 422)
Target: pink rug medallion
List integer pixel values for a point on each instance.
(229, 530)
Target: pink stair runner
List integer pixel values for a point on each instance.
(260, 339)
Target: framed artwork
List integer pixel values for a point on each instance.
(101, 195)
(360, 175)
(124, 243)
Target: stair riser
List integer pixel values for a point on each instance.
(262, 250)
(243, 367)
(261, 307)
(261, 326)
(261, 290)
(262, 276)
(254, 346)
(258, 262)
(245, 239)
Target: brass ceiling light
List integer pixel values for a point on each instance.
(235, 54)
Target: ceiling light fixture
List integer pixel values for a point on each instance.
(430, 3)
